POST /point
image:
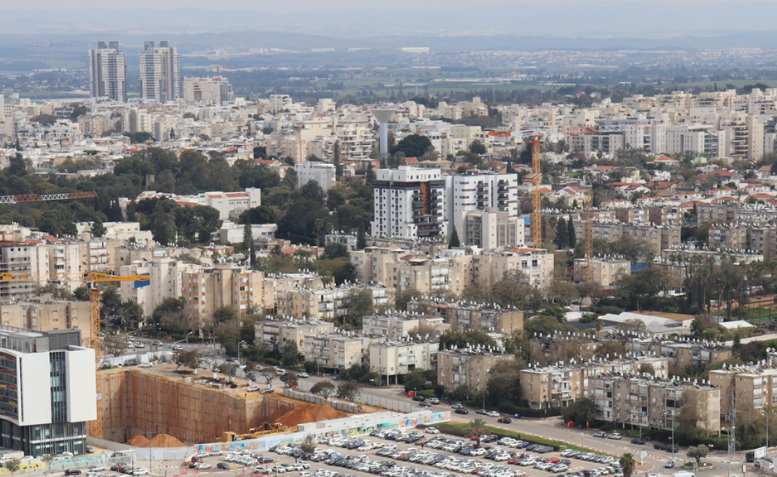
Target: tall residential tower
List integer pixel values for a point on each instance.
(108, 72)
(160, 73)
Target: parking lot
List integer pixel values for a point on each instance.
(426, 455)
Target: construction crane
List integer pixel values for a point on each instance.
(536, 217)
(588, 238)
(93, 279)
(15, 199)
(218, 70)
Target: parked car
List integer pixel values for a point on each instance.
(457, 405)
(432, 430)
(671, 448)
(492, 414)
(504, 420)
(669, 465)
(433, 400)
(659, 446)
(72, 472)
(615, 435)
(254, 388)
(303, 375)
(419, 398)
(97, 468)
(223, 466)
(267, 390)
(601, 434)
(461, 411)
(638, 441)
(482, 411)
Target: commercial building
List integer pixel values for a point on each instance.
(278, 332)
(108, 72)
(562, 384)
(392, 358)
(160, 72)
(468, 367)
(48, 391)
(323, 173)
(410, 203)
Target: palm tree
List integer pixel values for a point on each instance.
(627, 464)
(476, 428)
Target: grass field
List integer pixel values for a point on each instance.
(450, 426)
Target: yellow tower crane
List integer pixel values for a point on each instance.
(588, 239)
(92, 279)
(536, 217)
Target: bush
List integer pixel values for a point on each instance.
(310, 366)
(426, 393)
(511, 409)
(272, 361)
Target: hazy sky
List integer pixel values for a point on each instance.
(292, 6)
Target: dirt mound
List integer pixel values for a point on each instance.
(138, 441)
(310, 413)
(164, 440)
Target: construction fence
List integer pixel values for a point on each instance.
(369, 399)
(342, 406)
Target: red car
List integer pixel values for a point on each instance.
(554, 460)
(514, 461)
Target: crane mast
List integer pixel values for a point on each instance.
(536, 218)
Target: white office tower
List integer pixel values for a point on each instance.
(409, 203)
(160, 73)
(479, 191)
(48, 391)
(108, 72)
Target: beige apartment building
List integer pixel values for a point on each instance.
(607, 271)
(275, 283)
(400, 325)
(560, 385)
(44, 313)
(325, 303)
(278, 332)
(753, 387)
(392, 358)
(653, 403)
(165, 281)
(550, 349)
(338, 350)
(206, 289)
(461, 316)
(469, 367)
(535, 263)
(680, 354)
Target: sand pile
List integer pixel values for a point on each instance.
(138, 441)
(310, 413)
(164, 440)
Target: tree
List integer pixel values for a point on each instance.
(571, 234)
(189, 359)
(161, 226)
(647, 368)
(309, 444)
(334, 250)
(323, 389)
(81, 293)
(228, 336)
(290, 379)
(476, 428)
(17, 166)
(697, 452)
(414, 145)
(290, 354)
(628, 464)
(454, 242)
(357, 304)
(582, 412)
(562, 234)
(13, 465)
(348, 391)
(361, 239)
(631, 326)
(463, 339)
(248, 240)
(477, 147)
(98, 229)
(224, 314)
(415, 380)
(370, 174)
(269, 375)
(336, 159)
(504, 385)
(115, 344)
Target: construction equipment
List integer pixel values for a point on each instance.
(218, 70)
(536, 217)
(93, 279)
(15, 199)
(253, 433)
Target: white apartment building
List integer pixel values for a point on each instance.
(160, 73)
(410, 203)
(108, 72)
(321, 172)
(231, 232)
(338, 350)
(279, 102)
(491, 229)
(278, 332)
(48, 392)
(202, 90)
(702, 139)
(232, 204)
(392, 358)
(480, 191)
(165, 281)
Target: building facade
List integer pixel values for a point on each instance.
(108, 72)
(468, 367)
(160, 72)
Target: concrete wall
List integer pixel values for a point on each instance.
(136, 402)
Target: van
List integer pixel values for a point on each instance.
(764, 464)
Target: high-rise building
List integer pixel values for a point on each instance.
(160, 72)
(108, 72)
(48, 392)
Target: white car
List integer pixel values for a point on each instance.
(615, 435)
(254, 388)
(492, 414)
(146, 365)
(142, 471)
(267, 390)
(303, 375)
(97, 468)
(177, 347)
(432, 430)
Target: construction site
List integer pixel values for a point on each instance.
(140, 405)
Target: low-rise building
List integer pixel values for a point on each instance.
(753, 387)
(399, 357)
(468, 367)
(278, 332)
(606, 270)
(338, 350)
(326, 303)
(561, 385)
